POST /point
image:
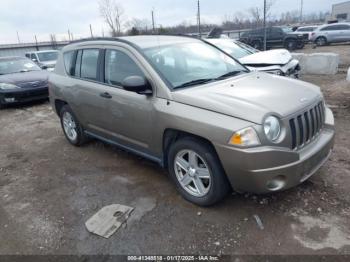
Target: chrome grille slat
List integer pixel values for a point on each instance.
(306, 126)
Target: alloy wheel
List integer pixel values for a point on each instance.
(69, 126)
(192, 172)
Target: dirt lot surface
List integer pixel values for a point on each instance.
(48, 189)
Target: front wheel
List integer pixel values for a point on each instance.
(197, 172)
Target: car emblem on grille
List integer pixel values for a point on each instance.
(303, 100)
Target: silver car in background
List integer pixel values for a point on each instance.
(278, 61)
(331, 33)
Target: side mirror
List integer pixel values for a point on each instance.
(137, 84)
(44, 67)
(34, 60)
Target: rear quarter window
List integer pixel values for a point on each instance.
(69, 58)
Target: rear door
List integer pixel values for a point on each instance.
(332, 33)
(86, 92)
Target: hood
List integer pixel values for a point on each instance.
(252, 96)
(271, 57)
(20, 79)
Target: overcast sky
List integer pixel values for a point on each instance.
(45, 17)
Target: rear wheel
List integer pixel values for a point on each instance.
(290, 44)
(197, 172)
(71, 127)
(321, 41)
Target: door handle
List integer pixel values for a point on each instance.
(105, 95)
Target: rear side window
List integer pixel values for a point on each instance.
(69, 58)
(343, 27)
(89, 66)
(330, 28)
(118, 66)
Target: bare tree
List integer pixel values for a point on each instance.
(257, 12)
(112, 12)
(139, 24)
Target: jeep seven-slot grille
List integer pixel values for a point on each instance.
(307, 125)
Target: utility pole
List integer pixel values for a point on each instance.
(19, 41)
(36, 43)
(199, 19)
(265, 25)
(91, 31)
(301, 10)
(69, 35)
(152, 13)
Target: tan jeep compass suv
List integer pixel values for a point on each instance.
(195, 110)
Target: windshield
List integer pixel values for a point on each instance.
(234, 49)
(47, 56)
(17, 66)
(193, 63)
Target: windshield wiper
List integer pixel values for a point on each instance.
(229, 74)
(195, 82)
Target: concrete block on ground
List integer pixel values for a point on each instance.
(318, 63)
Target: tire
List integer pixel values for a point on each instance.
(321, 41)
(290, 44)
(300, 45)
(207, 164)
(76, 136)
(257, 45)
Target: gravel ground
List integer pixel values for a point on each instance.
(48, 189)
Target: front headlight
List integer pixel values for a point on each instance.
(272, 128)
(245, 137)
(6, 86)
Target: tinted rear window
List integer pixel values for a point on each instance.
(89, 60)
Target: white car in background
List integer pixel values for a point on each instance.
(306, 31)
(278, 61)
(45, 59)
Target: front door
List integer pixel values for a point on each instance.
(129, 117)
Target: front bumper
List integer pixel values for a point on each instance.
(269, 169)
(23, 95)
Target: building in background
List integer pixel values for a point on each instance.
(340, 12)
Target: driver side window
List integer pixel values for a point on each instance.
(118, 66)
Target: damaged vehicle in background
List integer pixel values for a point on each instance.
(21, 80)
(279, 61)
